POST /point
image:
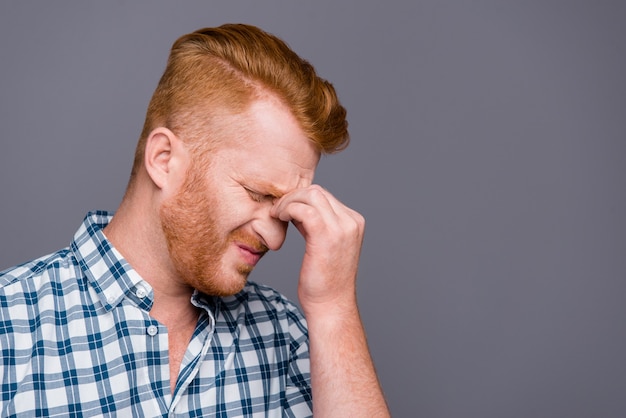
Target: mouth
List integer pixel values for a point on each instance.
(250, 254)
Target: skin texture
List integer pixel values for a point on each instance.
(204, 223)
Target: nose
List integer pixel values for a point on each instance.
(272, 231)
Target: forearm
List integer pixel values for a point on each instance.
(343, 378)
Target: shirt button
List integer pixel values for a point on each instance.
(110, 300)
(152, 330)
(141, 292)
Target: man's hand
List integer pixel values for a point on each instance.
(333, 235)
(343, 378)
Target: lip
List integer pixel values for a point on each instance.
(250, 255)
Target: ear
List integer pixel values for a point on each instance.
(165, 157)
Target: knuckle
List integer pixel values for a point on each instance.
(360, 219)
(317, 193)
(310, 214)
(316, 187)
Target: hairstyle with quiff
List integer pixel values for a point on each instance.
(228, 67)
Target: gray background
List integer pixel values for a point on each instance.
(488, 150)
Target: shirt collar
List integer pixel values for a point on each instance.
(105, 268)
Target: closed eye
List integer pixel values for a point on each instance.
(259, 197)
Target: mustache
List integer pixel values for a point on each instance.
(249, 241)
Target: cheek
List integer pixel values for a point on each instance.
(242, 214)
(233, 214)
(232, 206)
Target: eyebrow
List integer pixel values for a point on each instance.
(269, 189)
(274, 191)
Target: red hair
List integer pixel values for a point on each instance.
(228, 67)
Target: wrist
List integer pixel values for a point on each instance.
(332, 314)
(328, 303)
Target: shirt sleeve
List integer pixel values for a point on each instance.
(298, 401)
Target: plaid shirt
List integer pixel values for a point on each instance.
(77, 340)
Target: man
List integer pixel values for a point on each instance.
(149, 312)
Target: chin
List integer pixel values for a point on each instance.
(224, 287)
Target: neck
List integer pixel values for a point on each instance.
(135, 231)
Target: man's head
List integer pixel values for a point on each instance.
(229, 67)
(236, 121)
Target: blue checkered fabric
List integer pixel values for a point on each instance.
(77, 340)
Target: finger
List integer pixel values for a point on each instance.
(313, 196)
(337, 206)
(305, 215)
(317, 195)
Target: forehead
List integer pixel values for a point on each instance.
(265, 144)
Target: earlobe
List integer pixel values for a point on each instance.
(161, 147)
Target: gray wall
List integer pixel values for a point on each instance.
(489, 140)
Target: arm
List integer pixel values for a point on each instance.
(344, 382)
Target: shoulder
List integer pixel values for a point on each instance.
(258, 304)
(258, 297)
(34, 268)
(37, 275)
